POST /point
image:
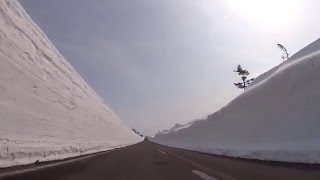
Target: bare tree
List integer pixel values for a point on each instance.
(244, 74)
(285, 56)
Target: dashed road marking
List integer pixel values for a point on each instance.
(203, 175)
(161, 151)
(203, 168)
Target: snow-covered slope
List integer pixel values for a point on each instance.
(311, 48)
(275, 119)
(47, 111)
(178, 127)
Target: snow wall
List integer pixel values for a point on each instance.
(47, 111)
(277, 118)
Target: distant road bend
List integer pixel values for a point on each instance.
(149, 161)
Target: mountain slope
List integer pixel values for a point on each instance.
(274, 119)
(47, 111)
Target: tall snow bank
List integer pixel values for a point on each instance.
(47, 111)
(276, 119)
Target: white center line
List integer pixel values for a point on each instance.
(161, 151)
(203, 175)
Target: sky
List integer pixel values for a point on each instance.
(162, 62)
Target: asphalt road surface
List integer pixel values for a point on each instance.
(149, 161)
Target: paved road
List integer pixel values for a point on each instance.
(148, 161)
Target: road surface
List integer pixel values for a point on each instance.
(149, 161)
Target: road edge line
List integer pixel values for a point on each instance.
(53, 164)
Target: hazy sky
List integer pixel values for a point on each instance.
(161, 62)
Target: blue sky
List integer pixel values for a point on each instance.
(161, 62)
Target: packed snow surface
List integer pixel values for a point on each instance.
(277, 118)
(47, 111)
